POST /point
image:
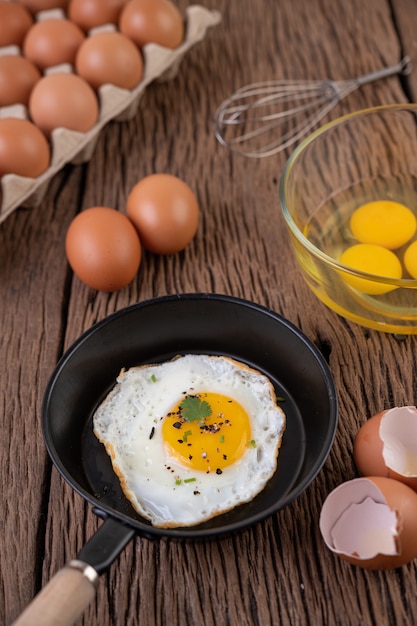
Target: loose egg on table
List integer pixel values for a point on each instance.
(152, 21)
(24, 149)
(371, 522)
(165, 212)
(63, 100)
(386, 445)
(103, 248)
(191, 438)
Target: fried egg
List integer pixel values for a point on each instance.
(191, 438)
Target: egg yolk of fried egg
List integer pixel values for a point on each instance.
(212, 443)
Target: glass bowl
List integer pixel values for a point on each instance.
(366, 157)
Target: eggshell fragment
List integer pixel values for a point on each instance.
(370, 522)
(386, 445)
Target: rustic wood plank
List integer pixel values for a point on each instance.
(278, 571)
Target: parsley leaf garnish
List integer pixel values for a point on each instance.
(192, 409)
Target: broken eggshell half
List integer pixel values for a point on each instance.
(386, 445)
(371, 522)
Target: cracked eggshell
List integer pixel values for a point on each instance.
(370, 522)
(386, 445)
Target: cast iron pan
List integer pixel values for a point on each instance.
(155, 331)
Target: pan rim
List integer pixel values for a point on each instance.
(103, 510)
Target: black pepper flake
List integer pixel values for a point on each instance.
(190, 456)
(225, 457)
(152, 432)
(177, 424)
(196, 493)
(219, 471)
(180, 441)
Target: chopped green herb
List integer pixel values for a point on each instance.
(190, 480)
(252, 443)
(280, 399)
(192, 409)
(178, 481)
(221, 438)
(187, 434)
(153, 378)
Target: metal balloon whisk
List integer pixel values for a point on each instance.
(264, 118)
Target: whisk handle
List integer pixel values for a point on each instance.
(403, 67)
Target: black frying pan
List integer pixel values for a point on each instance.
(155, 331)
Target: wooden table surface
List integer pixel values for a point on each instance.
(278, 572)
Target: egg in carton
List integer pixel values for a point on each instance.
(117, 104)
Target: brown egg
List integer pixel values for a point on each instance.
(15, 21)
(109, 58)
(24, 150)
(371, 522)
(18, 76)
(52, 42)
(63, 100)
(92, 13)
(152, 21)
(165, 213)
(35, 6)
(389, 448)
(103, 248)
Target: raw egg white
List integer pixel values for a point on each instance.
(386, 445)
(15, 21)
(191, 438)
(52, 42)
(152, 21)
(93, 13)
(371, 522)
(165, 212)
(18, 76)
(109, 58)
(103, 248)
(63, 100)
(24, 149)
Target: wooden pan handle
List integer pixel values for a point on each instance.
(64, 598)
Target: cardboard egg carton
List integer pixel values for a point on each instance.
(115, 104)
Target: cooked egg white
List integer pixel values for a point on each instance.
(191, 438)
